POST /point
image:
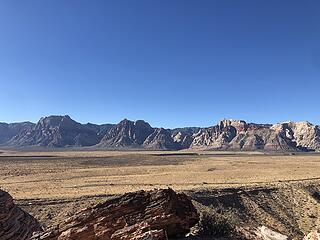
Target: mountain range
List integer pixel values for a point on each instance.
(62, 131)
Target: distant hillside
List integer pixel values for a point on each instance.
(8, 131)
(62, 131)
(238, 135)
(59, 131)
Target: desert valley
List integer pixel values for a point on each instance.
(241, 180)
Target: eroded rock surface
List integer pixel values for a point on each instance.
(15, 224)
(140, 215)
(239, 135)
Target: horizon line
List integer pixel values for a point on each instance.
(134, 120)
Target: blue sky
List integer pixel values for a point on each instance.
(170, 62)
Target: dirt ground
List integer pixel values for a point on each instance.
(280, 191)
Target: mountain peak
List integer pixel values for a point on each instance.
(239, 125)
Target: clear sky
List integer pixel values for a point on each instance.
(170, 62)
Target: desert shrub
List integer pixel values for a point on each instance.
(215, 225)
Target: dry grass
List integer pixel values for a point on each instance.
(30, 175)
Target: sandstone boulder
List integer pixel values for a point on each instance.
(156, 214)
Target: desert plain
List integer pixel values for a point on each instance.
(254, 188)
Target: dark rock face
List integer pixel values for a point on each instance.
(100, 130)
(14, 222)
(8, 131)
(56, 131)
(127, 133)
(156, 214)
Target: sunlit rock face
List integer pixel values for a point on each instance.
(239, 135)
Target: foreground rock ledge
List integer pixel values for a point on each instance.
(14, 222)
(156, 214)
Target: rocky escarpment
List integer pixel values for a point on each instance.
(56, 131)
(14, 222)
(127, 133)
(62, 131)
(156, 214)
(239, 135)
(139, 134)
(305, 134)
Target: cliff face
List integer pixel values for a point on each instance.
(238, 135)
(306, 134)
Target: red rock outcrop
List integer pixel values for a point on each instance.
(15, 224)
(156, 214)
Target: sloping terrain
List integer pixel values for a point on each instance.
(8, 131)
(290, 208)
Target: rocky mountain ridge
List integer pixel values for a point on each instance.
(62, 131)
(56, 131)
